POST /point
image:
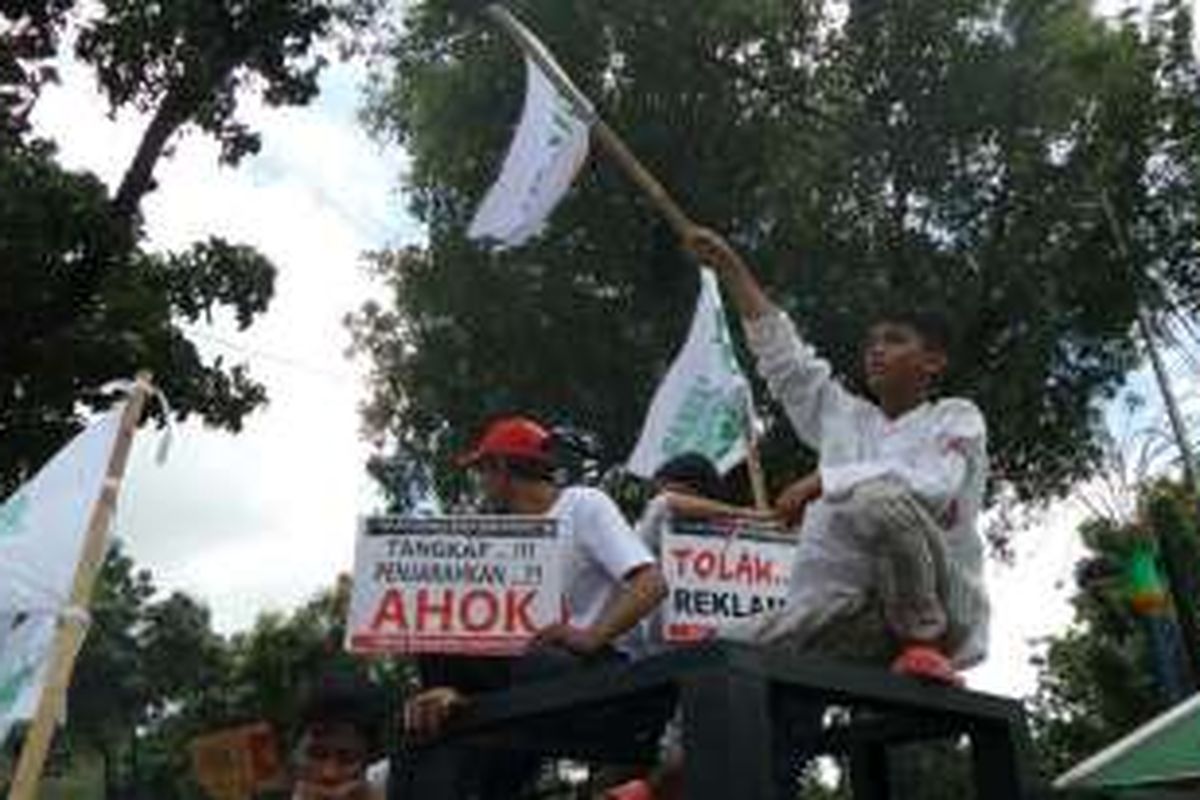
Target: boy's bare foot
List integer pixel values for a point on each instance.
(928, 663)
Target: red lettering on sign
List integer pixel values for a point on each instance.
(681, 555)
(749, 569)
(470, 605)
(764, 571)
(425, 607)
(516, 611)
(391, 610)
(742, 570)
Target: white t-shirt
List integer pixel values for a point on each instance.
(646, 639)
(599, 549)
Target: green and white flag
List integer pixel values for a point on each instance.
(550, 145)
(42, 529)
(25, 642)
(702, 403)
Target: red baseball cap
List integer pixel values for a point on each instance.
(510, 437)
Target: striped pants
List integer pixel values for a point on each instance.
(913, 593)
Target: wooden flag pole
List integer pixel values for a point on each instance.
(758, 480)
(72, 627)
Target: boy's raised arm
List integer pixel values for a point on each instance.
(711, 248)
(797, 378)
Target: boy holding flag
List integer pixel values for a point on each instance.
(889, 565)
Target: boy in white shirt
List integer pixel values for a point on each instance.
(889, 566)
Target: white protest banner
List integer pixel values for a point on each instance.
(721, 571)
(42, 529)
(701, 404)
(477, 585)
(549, 147)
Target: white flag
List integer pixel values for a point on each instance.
(42, 529)
(550, 146)
(701, 405)
(25, 643)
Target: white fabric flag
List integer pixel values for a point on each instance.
(550, 145)
(702, 403)
(42, 529)
(25, 643)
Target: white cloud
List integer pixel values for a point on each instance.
(1030, 599)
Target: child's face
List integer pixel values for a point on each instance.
(898, 361)
(493, 482)
(331, 763)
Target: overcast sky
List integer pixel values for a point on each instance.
(262, 520)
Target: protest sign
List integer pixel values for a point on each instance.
(721, 571)
(237, 763)
(478, 585)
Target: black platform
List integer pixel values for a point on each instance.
(726, 693)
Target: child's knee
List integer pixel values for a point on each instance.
(880, 500)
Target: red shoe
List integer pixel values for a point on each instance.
(927, 663)
(633, 790)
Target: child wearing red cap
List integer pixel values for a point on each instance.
(612, 582)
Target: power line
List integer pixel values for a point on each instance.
(322, 371)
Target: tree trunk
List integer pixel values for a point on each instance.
(139, 178)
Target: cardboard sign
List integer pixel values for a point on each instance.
(721, 571)
(478, 585)
(237, 763)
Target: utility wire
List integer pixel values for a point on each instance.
(322, 371)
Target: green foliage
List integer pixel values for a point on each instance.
(144, 659)
(82, 307)
(945, 153)
(81, 298)
(28, 40)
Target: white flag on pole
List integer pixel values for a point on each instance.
(42, 528)
(550, 145)
(701, 405)
(25, 642)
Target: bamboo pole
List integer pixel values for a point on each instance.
(758, 480)
(73, 627)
